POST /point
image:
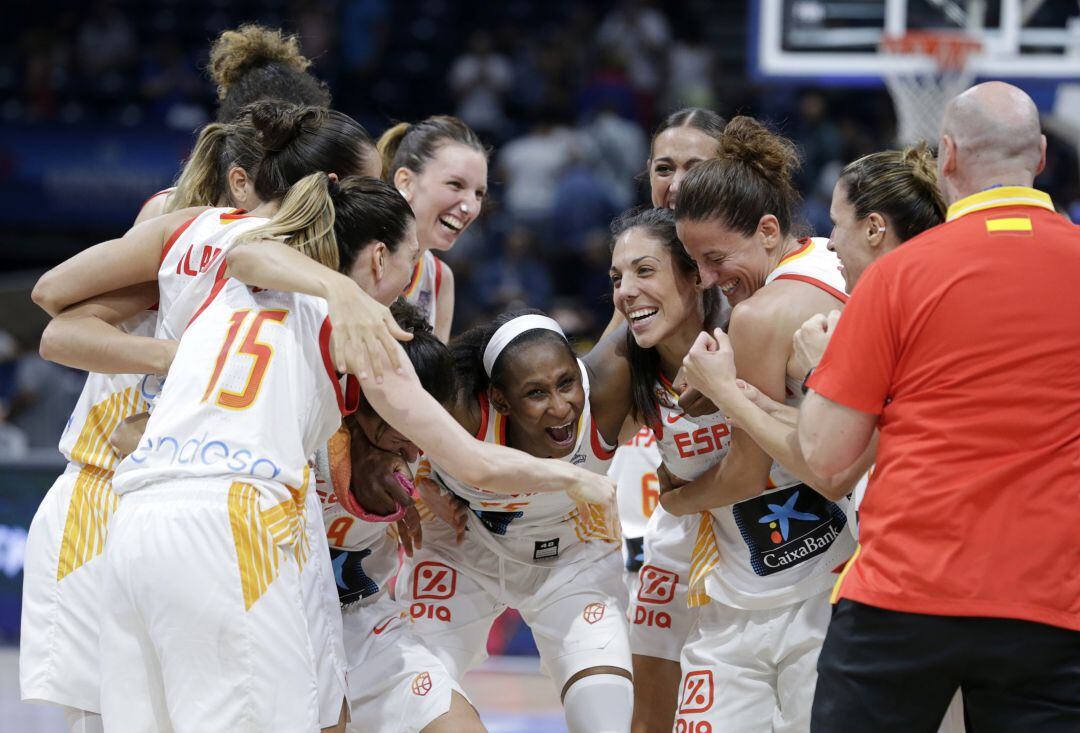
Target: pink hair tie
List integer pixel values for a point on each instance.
(352, 506)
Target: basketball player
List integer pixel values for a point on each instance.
(682, 141)
(249, 358)
(750, 662)
(190, 249)
(440, 167)
(879, 202)
(58, 651)
(557, 563)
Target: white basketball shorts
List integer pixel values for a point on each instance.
(204, 626)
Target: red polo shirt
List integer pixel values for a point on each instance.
(966, 342)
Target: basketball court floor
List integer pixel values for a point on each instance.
(510, 692)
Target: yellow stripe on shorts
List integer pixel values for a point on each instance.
(85, 528)
(257, 552)
(703, 559)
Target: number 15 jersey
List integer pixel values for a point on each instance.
(251, 394)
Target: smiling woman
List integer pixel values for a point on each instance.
(440, 166)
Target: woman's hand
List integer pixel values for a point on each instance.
(668, 480)
(126, 436)
(364, 331)
(812, 338)
(444, 505)
(710, 367)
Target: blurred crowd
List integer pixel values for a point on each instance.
(565, 92)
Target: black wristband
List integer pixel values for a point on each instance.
(806, 378)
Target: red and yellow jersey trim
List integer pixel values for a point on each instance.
(173, 237)
(418, 271)
(807, 245)
(993, 198)
(349, 399)
(838, 294)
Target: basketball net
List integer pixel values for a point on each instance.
(921, 93)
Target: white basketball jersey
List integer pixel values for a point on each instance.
(251, 394)
(637, 488)
(423, 289)
(196, 247)
(688, 445)
(508, 522)
(781, 546)
(105, 401)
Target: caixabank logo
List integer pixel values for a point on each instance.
(785, 528)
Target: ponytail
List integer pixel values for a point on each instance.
(412, 145)
(388, 145)
(899, 185)
(200, 181)
(204, 180)
(305, 221)
(332, 222)
(253, 63)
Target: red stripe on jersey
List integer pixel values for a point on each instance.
(162, 192)
(328, 363)
(839, 295)
(485, 411)
(805, 242)
(353, 392)
(235, 214)
(598, 445)
(209, 299)
(438, 276)
(175, 235)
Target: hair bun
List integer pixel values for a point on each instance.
(923, 164)
(251, 46)
(279, 123)
(771, 156)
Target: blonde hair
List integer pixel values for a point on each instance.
(304, 221)
(204, 179)
(412, 145)
(332, 222)
(901, 185)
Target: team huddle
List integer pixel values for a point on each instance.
(294, 502)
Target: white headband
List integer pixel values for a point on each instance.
(511, 330)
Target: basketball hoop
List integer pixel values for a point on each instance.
(921, 90)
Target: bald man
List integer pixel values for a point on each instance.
(963, 348)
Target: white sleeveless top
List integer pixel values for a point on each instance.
(423, 290)
(782, 546)
(105, 401)
(196, 247)
(534, 528)
(636, 486)
(251, 393)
